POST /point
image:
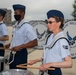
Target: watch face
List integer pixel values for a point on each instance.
(70, 33)
(40, 28)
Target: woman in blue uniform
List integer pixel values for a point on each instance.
(3, 34)
(58, 54)
(23, 37)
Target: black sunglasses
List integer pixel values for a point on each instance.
(50, 22)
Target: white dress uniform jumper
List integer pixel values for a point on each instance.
(22, 34)
(56, 49)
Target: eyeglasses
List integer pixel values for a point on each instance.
(50, 22)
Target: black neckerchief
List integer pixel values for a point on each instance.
(19, 26)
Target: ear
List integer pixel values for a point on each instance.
(59, 23)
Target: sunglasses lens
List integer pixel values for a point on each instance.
(50, 22)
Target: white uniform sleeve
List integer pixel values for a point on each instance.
(65, 48)
(31, 34)
(4, 29)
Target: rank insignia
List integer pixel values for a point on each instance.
(65, 46)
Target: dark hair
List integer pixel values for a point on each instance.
(59, 19)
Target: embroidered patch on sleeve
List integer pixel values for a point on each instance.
(65, 46)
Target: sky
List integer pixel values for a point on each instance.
(37, 9)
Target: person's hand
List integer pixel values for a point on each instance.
(31, 62)
(44, 67)
(6, 46)
(16, 48)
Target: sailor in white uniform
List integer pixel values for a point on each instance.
(23, 37)
(59, 51)
(3, 34)
(56, 49)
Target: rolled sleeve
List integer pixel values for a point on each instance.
(31, 35)
(65, 48)
(5, 30)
